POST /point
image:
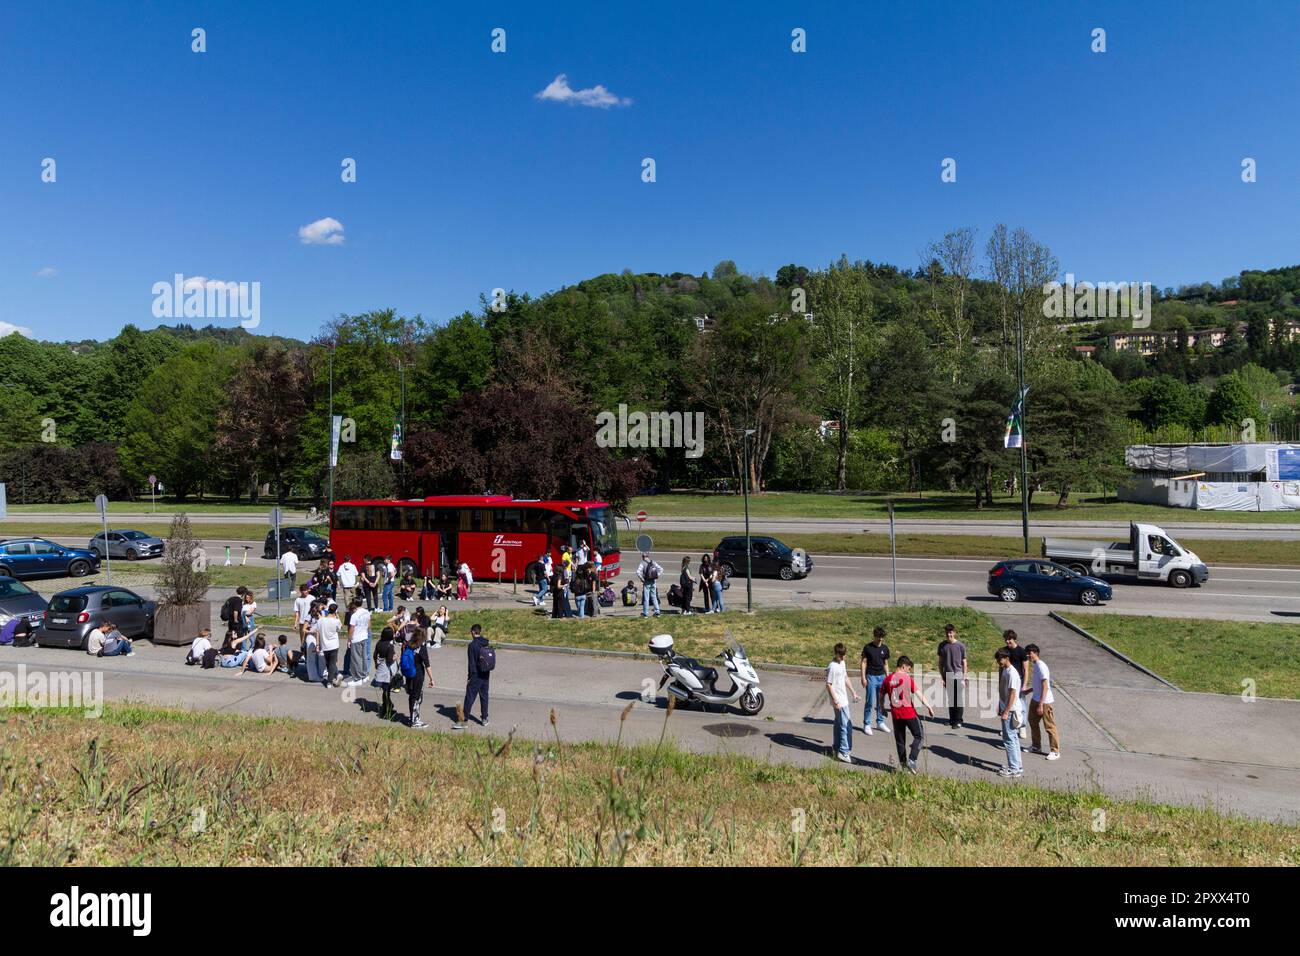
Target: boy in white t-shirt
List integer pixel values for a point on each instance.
(1041, 700)
(838, 687)
(301, 613)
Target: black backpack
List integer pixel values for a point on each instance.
(487, 659)
(210, 658)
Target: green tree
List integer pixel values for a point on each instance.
(171, 419)
(1231, 403)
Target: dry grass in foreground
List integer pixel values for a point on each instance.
(149, 786)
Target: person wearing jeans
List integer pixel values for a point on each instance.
(838, 688)
(648, 571)
(390, 572)
(899, 688)
(875, 655)
(1008, 696)
(718, 606)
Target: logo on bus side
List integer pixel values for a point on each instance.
(507, 542)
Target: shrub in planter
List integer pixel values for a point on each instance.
(182, 585)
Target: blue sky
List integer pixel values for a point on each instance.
(1127, 164)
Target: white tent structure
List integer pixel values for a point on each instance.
(1260, 476)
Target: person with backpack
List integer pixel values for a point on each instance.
(559, 595)
(593, 599)
(200, 644)
(544, 569)
(386, 672)
(232, 610)
(648, 571)
(415, 668)
(629, 593)
(482, 662)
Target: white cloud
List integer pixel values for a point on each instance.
(560, 92)
(322, 232)
(7, 329)
(49, 272)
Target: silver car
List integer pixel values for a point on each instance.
(132, 545)
(17, 600)
(73, 614)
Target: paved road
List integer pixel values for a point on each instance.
(1232, 593)
(1190, 528)
(1119, 734)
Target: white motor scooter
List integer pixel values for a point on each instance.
(688, 680)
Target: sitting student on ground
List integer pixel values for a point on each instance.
(201, 643)
(629, 593)
(261, 660)
(234, 650)
(107, 641)
(286, 660)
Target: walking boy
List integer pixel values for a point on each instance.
(1008, 698)
(482, 661)
(899, 688)
(953, 667)
(874, 657)
(838, 688)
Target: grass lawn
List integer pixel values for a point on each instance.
(775, 636)
(1205, 655)
(934, 504)
(143, 786)
(1256, 551)
(211, 531)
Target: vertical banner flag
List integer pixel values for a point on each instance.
(335, 427)
(395, 446)
(1015, 436)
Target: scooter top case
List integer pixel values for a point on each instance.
(661, 645)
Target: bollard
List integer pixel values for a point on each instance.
(514, 588)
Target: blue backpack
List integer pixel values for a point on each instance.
(408, 663)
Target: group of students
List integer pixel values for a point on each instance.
(398, 663)
(377, 583)
(1024, 695)
(711, 581)
(574, 583)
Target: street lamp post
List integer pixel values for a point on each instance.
(329, 444)
(1024, 430)
(749, 553)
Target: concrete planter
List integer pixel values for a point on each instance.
(177, 626)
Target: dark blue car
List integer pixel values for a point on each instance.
(38, 558)
(1030, 580)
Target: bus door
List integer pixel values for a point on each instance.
(579, 534)
(447, 552)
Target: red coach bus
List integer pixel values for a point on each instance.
(496, 535)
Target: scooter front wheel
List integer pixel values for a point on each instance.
(751, 702)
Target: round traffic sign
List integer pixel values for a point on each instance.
(641, 516)
(153, 480)
(644, 544)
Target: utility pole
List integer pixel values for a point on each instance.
(1024, 437)
(401, 366)
(329, 444)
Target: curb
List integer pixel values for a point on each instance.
(1102, 644)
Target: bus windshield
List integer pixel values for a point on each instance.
(604, 529)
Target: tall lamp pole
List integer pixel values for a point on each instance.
(749, 551)
(1024, 439)
(329, 443)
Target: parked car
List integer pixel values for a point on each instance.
(38, 558)
(769, 556)
(18, 600)
(303, 542)
(73, 614)
(1019, 580)
(131, 545)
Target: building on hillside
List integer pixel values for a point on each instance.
(1148, 341)
(1255, 476)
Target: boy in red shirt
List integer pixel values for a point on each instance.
(899, 688)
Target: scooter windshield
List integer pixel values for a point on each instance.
(733, 645)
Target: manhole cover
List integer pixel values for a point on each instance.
(731, 730)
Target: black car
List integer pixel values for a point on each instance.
(17, 600)
(303, 542)
(73, 614)
(769, 557)
(1027, 580)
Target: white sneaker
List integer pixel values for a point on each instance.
(843, 758)
(868, 731)
(1054, 755)
(882, 728)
